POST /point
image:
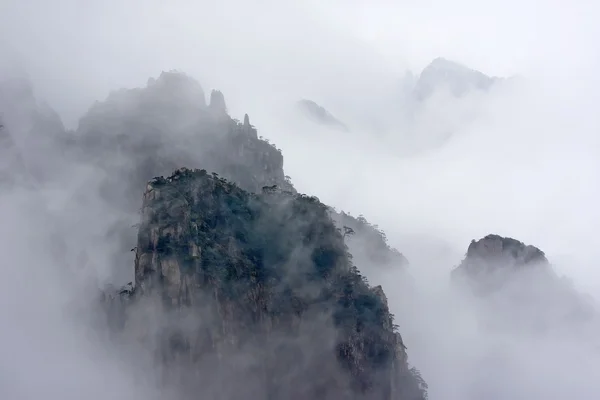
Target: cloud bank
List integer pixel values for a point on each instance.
(522, 161)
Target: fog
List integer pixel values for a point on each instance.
(521, 161)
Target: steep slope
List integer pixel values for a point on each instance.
(261, 298)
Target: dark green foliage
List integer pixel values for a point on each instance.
(273, 255)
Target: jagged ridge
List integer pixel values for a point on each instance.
(167, 125)
(140, 133)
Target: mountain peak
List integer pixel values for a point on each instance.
(494, 260)
(493, 246)
(494, 251)
(459, 79)
(271, 278)
(217, 102)
(178, 87)
(441, 62)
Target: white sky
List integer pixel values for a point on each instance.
(234, 44)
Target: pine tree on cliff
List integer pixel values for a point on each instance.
(272, 274)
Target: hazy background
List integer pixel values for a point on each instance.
(527, 165)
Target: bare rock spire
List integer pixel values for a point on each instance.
(217, 102)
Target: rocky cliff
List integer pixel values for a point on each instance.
(136, 134)
(517, 288)
(495, 254)
(495, 263)
(261, 298)
(217, 102)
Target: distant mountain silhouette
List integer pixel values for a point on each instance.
(320, 115)
(443, 74)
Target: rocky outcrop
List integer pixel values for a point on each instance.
(217, 102)
(495, 253)
(517, 288)
(261, 297)
(320, 115)
(492, 262)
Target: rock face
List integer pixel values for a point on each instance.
(217, 102)
(494, 253)
(320, 115)
(518, 289)
(445, 74)
(494, 262)
(261, 298)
